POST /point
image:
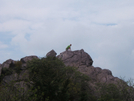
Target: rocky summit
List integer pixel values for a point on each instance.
(77, 58)
(84, 63)
(16, 75)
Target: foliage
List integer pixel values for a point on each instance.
(109, 92)
(116, 92)
(5, 72)
(9, 92)
(126, 89)
(8, 71)
(50, 80)
(53, 81)
(17, 67)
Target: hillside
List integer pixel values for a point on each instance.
(71, 73)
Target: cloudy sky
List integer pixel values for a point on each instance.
(103, 28)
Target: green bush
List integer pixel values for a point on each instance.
(116, 92)
(17, 67)
(53, 81)
(5, 72)
(50, 80)
(9, 92)
(109, 92)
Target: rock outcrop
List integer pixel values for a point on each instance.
(76, 58)
(83, 62)
(18, 72)
(52, 53)
(10, 64)
(26, 59)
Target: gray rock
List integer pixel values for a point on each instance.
(9, 78)
(99, 75)
(52, 53)
(84, 62)
(76, 58)
(28, 58)
(106, 76)
(106, 71)
(8, 63)
(98, 69)
(24, 75)
(24, 87)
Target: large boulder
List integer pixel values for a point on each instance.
(84, 62)
(52, 53)
(76, 58)
(11, 64)
(99, 75)
(8, 63)
(9, 78)
(26, 59)
(22, 76)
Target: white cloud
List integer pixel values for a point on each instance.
(14, 26)
(3, 46)
(104, 29)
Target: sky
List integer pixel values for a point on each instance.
(103, 28)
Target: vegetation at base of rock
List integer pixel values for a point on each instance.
(50, 80)
(110, 92)
(17, 67)
(53, 81)
(9, 71)
(5, 72)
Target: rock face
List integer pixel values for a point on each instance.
(84, 62)
(98, 74)
(26, 59)
(52, 53)
(8, 63)
(76, 58)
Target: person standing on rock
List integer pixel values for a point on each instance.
(68, 47)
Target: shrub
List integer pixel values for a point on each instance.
(109, 92)
(17, 67)
(116, 92)
(53, 81)
(5, 72)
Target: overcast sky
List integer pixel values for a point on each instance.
(103, 28)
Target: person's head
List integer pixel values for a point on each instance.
(70, 44)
